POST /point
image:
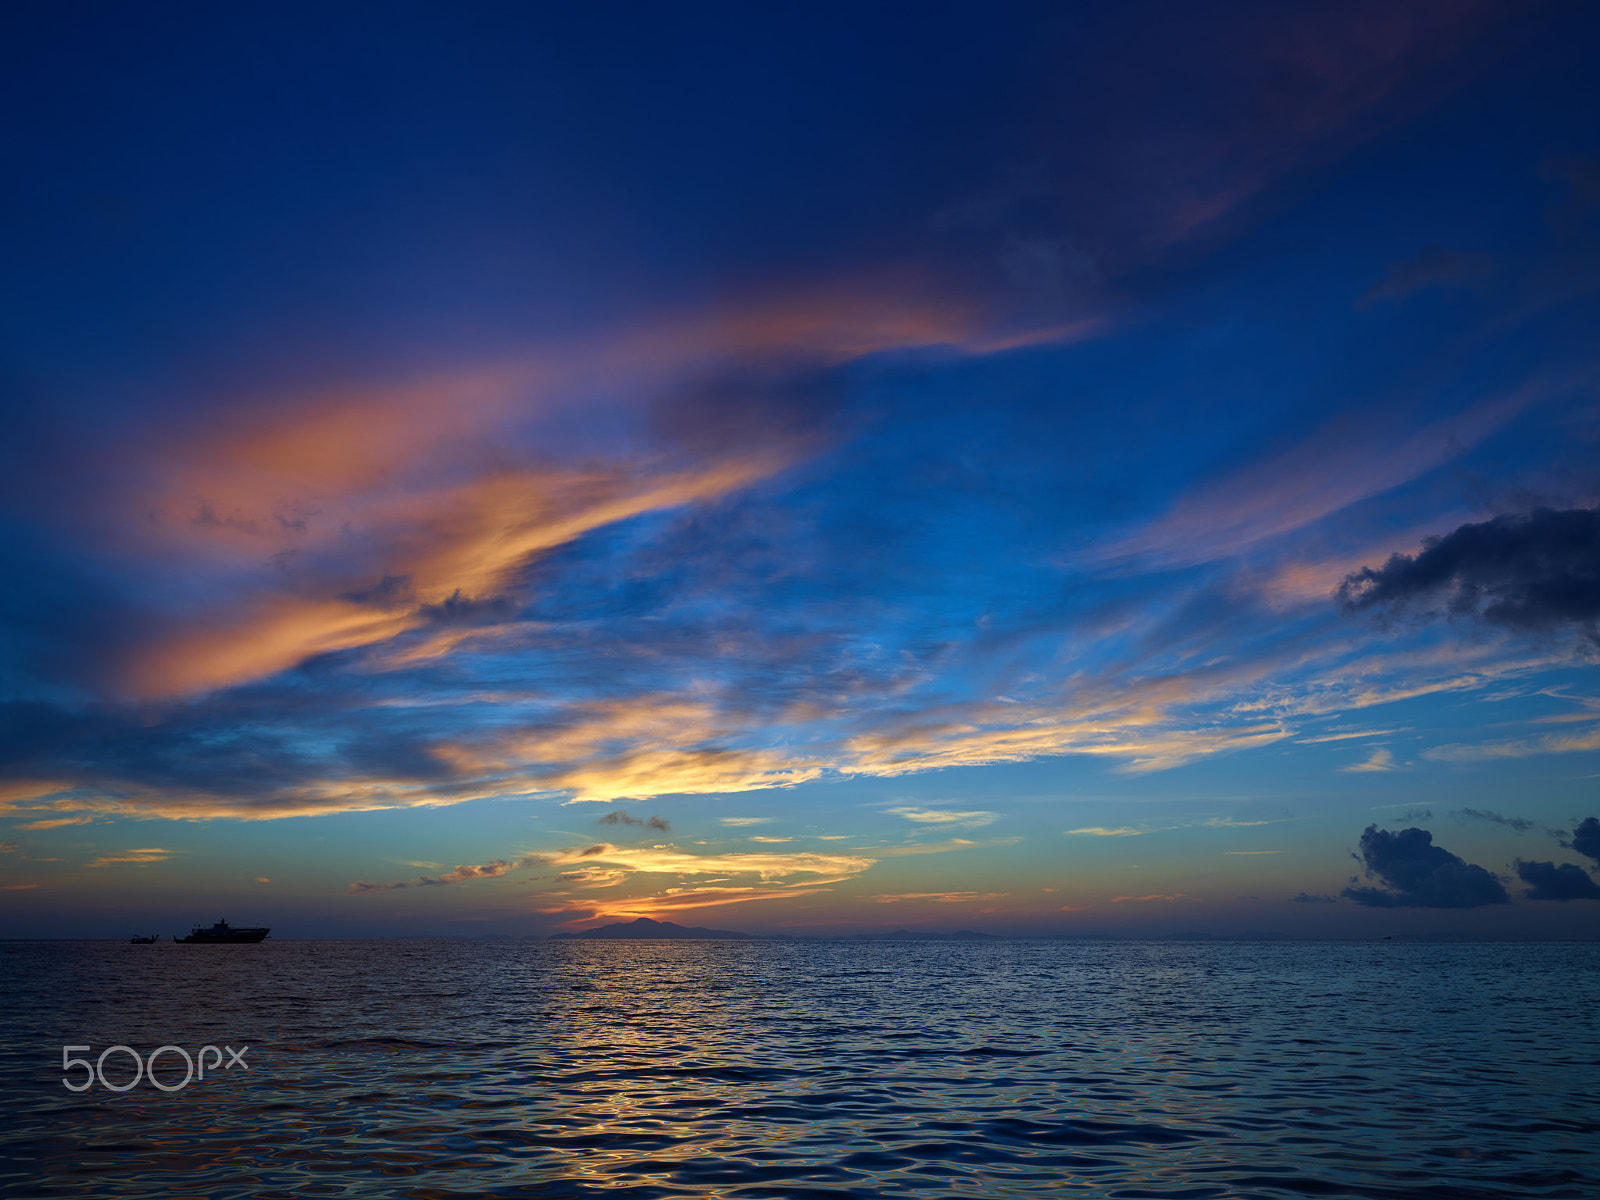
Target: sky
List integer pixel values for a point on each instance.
(1063, 468)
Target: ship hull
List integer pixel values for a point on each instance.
(232, 938)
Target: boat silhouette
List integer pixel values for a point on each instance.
(145, 941)
(219, 933)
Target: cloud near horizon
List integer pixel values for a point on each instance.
(605, 865)
(1549, 882)
(153, 855)
(1417, 874)
(1586, 838)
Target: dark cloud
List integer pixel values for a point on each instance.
(1308, 898)
(621, 817)
(1515, 824)
(1550, 882)
(1419, 874)
(1432, 266)
(1535, 572)
(1586, 839)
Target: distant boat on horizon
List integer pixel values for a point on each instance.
(145, 941)
(221, 933)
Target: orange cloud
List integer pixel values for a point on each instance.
(14, 790)
(704, 898)
(417, 484)
(605, 865)
(56, 823)
(133, 856)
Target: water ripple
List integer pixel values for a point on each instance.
(785, 1070)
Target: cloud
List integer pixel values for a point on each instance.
(1379, 760)
(1550, 882)
(705, 898)
(386, 510)
(751, 821)
(1586, 839)
(943, 847)
(937, 816)
(1310, 898)
(56, 823)
(623, 817)
(154, 855)
(351, 547)
(262, 879)
(643, 860)
(1432, 266)
(1103, 831)
(938, 897)
(1515, 824)
(10, 847)
(1539, 571)
(1419, 874)
(1141, 899)
(1341, 737)
(1548, 743)
(771, 839)
(462, 874)
(1352, 457)
(593, 877)
(1252, 851)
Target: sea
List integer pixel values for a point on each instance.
(631, 1070)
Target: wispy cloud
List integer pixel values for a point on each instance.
(1354, 456)
(462, 874)
(1341, 737)
(1515, 824)
(1379, 760)
(942, 847)
(603, 865)
(623, 817)
(942, 816)
(1103, 831)
(56, 822)
(1549, 743)
(153, 855)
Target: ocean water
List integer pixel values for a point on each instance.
(627, 1070)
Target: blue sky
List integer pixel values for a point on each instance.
(945, 464)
